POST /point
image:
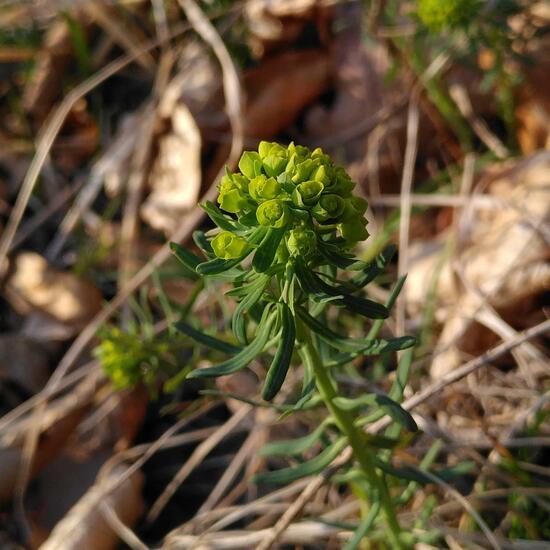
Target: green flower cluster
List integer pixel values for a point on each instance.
(440, 14)
(129, 358)
(295, 190)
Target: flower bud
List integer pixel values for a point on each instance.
(328, 207)
(299, 150)
(228, 246)
(303, 171)
(307, 193)
(263, 148)
(301, 242)
(321, 175)
(273, 213)
(266, 148)
(232, 200)
(354, 207)
(274, 165)
(262, 188)
(250, 164)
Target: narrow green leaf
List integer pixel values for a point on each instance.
(374, 268)
(406, 473)
(185, 257)
(246, 355)
(378, 324)
(364, 527)
(352, 404)
(359, 345)
(220, 219)
(207, 340)
(201, 240)
(294, 447)
(279, 367)
(398, 413)
(217, 265)
(401, 376)
(335, 257)
(266, 251)
(308, 468)
(232, 275)
(255, 292)
(313, 285)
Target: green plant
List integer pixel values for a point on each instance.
(285, 227)
(141, 354)
(463, 29)
(440, 14)
(131, 357)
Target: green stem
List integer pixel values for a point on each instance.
(344, 419)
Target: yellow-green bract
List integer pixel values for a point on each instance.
(299, 192)
(228, 246)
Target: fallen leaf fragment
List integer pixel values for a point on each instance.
(281, 87)
(34, 285)
(502, 259)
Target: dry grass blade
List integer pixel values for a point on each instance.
(195, 459)
(462, 100)
(232, 93)
(467, 506)
(120, 528)
(49, 133)
(231, 472)
(317, 482)
(406, 188)
(231, 85)
(127, 35)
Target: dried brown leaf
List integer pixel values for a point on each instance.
(34, 285)
(279, 89)
(176, 175)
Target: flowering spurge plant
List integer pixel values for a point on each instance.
(285, 226)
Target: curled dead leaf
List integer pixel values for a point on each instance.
(175, 179)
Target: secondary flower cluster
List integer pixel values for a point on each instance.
(440, 14)
(292, 189)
